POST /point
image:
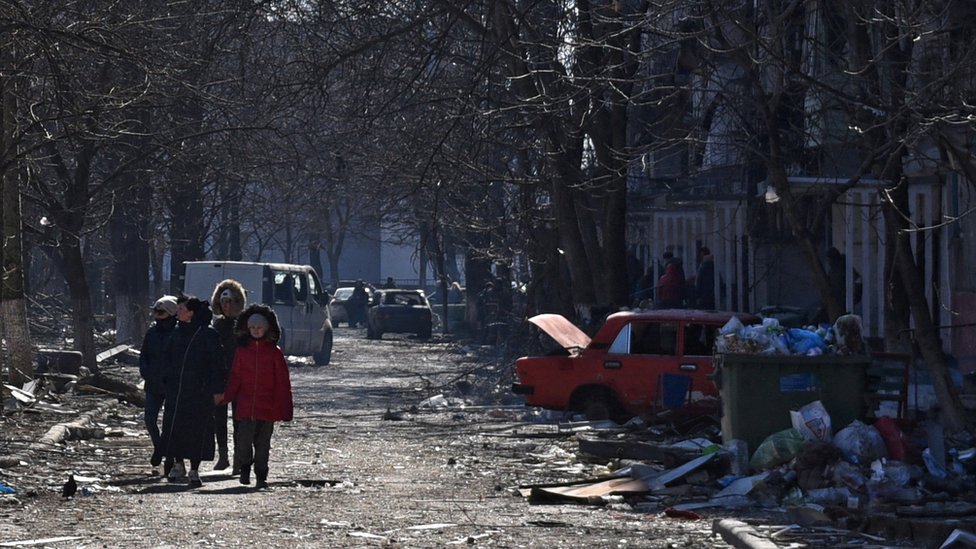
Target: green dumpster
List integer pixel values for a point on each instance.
(758, 391)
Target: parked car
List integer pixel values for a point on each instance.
(294, 291)
(339, 312)
(632, 365)
(399, 311)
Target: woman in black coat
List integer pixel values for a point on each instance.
(192, 360)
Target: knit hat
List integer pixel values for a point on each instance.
(166, 303)
(257, 319)
(226, 294)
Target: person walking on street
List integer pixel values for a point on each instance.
(229, 299)
(192, 360)
(151, 368)
(356, 304)
(260, 389)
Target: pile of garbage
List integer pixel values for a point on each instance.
(861, 466)
(844, 337)
(880, 476)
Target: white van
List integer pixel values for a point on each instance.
(294, 292)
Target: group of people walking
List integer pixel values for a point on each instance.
(196, 360)
(672, 289)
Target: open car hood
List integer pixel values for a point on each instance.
(562, 330)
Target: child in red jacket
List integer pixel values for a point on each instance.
(260, 388)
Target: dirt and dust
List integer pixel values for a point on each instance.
(363, 464)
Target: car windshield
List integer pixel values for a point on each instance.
(403, 298)
(343, 293)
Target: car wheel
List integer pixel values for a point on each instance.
(370, 333)
(425, 333)
(597, 405)
(324, 356)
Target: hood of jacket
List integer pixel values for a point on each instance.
(274, 329)
(237, 294)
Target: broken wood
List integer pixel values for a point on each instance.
(105, 384)
(114, 352)
(643, 451)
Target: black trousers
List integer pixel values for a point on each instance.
(253, 444)
(220, 428)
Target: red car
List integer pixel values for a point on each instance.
(637, 362)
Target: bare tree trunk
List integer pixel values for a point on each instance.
(315, 253)
(571, 244)
(926, 334)
(186, 228)
(73, 268)
(234, 252)
(130, 269)
(777, 175)
(15, 330)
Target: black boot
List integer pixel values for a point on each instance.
(262, 475)
(222, 462)
(245, 474)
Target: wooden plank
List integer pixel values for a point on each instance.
(644, 451)
(105, 355)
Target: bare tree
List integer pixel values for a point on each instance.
(13, 310)
(854, 96)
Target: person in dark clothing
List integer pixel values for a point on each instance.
(705, 281)
(260, 388)
(390, 284)
(837, 281)
(229, 299)
(192, 359)
(356, 304)
(151, 368)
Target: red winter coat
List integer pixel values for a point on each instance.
(259, 385)
(671, 286)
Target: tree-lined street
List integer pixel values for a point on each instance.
(360, 466)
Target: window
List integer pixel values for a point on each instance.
(621, 345)
(700, 339)
(284, 287)
(315, 288)
(647, 338)
(301, 286)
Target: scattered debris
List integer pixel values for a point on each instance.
(39, 541)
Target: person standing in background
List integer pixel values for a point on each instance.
(705, 280)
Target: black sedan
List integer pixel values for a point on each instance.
(399, 311)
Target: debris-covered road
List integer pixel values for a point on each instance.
(398, 443)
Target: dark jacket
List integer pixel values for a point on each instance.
(192, 359)
(151, 366)
(705, 283)
(225, 321)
